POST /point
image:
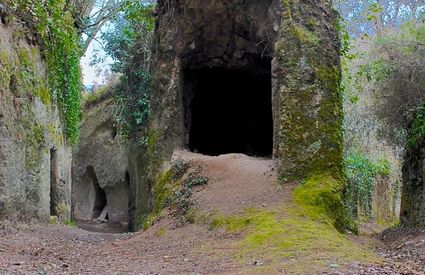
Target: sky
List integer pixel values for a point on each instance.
(91, 73)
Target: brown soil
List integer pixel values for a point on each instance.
(405, 246)
(235, 182)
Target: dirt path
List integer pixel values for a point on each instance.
(163, 249)
(236, 182)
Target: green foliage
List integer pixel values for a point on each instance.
(184, 193)
(128, 43)
(361, 175)
(417, 130)
(93, 96)
(70, 223)
(341, 27)
(368, 17)
(133, 95)
(131, 28)
(400, 81)
(54, 26)
(374, 11)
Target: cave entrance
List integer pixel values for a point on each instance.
(54, 181)
(99, 210)
(229, 111)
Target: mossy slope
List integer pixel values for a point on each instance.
(299, 237)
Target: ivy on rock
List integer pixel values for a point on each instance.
(54, 26)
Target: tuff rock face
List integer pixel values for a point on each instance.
(264, 74)
(101, 177)
(295, 45)
(229, 76)
(35, 161)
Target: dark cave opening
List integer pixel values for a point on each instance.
(100, 200)
(53, 183)
(229, 111)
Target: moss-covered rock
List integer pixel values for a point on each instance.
(320, 196)
(301, 39)
(308, 135)
(293, 237)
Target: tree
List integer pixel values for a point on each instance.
(371, 16)
(92, 15)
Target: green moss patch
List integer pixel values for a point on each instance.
(34, 141)
(302, 236)
(310, 116)
(164, 188)
(289, 239)
(320, 197)
(173, 189)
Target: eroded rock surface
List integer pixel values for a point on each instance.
(225, 73)
(101, 178)
(35, 161)
(294, 46)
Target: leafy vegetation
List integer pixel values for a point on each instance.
(383, 80)
(54, 25)
(128, 43)
(368, 17)
(70, 223)
(361, 175)
(417, 130)
(130, 35)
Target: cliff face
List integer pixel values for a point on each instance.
(254, 77)
(292, 47)
(35, 161)
(101, 177)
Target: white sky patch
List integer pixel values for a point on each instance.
(95, 74)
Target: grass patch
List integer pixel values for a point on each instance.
(70, 223)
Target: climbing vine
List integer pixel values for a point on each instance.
(361, 175)
(129, 44)
(133, 95)
(54, 26)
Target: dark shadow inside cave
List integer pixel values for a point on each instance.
(229, 110)
(53, 183)
(100, 200)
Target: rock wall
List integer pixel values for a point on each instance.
(412, 213)
(386, 202)
(301, 45)
(101, 172)
(293, 43)
(35, 161)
